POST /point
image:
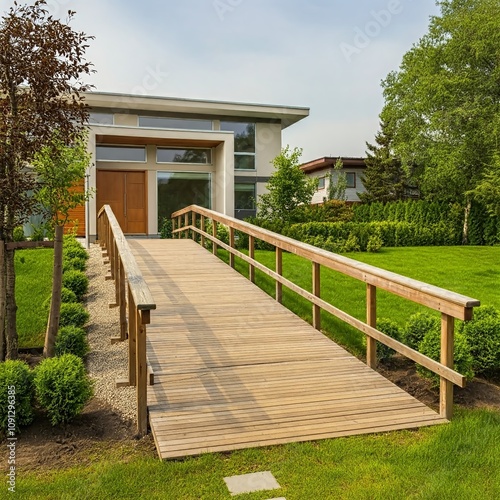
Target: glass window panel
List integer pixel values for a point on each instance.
(176, 123)
(96, 118)
(244, 162)
(244, 196)
(121, 153)
(351, 179)
(321, 183)
(173, 155)
(178, 190)
(244, 135)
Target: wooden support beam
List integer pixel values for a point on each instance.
(251, 254)
(231, 244)
(142, 377)
(214, 234)
(371, 320)
(132, 338)
(447, 350)
(279, 270)
(316, 290)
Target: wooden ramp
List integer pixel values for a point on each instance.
(234, 369)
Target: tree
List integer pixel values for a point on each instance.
(444, 101)
(385, 179)
(59, 168)
(41, 65)
(337, 184)
(288, 188)
(487, 190)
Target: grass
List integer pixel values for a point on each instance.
(455, 461)
(446, 267)
(33, 286)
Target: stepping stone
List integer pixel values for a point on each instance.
(249, 483)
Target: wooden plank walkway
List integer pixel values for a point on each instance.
(234, 369)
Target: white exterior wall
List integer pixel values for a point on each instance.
(351, 193)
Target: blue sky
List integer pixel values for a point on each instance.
(328, 55)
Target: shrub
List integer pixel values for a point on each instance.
(62, 387)
(392, 330)
(166, 229)
(72, 340)
(74, 264)
(431, 347)
(77, 282)
(417, 327)
(483, 336)
(19, 234)
(16, 387)
(375, 243)
(67, 296)
(75, 251)
(351, 244)
(73, 315)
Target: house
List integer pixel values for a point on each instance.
(320, 168)
(154, 155)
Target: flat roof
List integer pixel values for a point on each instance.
(329, 161)
(287, 115)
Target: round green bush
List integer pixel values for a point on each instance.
(72, 340)
(417, 327)
(77, 282)
(67, 296)
(16, 396)
(483, 336)
(62, 387)
(74, 264)
(73, 314)
(392, 330)
(375, 243)
(431, 347)
(75, 252)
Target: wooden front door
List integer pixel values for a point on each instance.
(125, 192)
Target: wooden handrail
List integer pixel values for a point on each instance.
(135, 301)
(451, 305)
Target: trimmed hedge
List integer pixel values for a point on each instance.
(73, 315)
(77, 282)
(16, 394)
(72, 340)
(391, 329)
(62, 387)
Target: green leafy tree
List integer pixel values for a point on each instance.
(59, 169)
(337, 182)
(444, 101)
(385, 179)
(487, 190)
(41, 65)
(288, 188)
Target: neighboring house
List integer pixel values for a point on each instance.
(152, 156)
(352, 168)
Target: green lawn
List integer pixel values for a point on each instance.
(455, 461)
(33, 286)
(472, 271)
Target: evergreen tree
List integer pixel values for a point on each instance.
(385, 179)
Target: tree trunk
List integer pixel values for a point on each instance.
(3, 281)
(55, 303)
(11, 306)
(465, 233)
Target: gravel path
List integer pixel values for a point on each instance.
(106, 362)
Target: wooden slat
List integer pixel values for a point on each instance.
(235, 369)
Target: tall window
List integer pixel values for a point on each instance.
(321, 183)
(98, 118)
(351, 179)
(244, 196)
(192, 155)
(244, 144)
(178, 190)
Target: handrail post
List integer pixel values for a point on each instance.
(202, 227)
(231, 244)
(447, 348)
(132, 338)
(142, 318)
(173, 219)
(123, 303)
(251, 254)
(371, 320)
(179, 224)
(186, 223)
(316, 289)
(279, 270)
(214, 234)
(193, 223)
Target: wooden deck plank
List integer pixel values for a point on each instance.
(235, 369)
